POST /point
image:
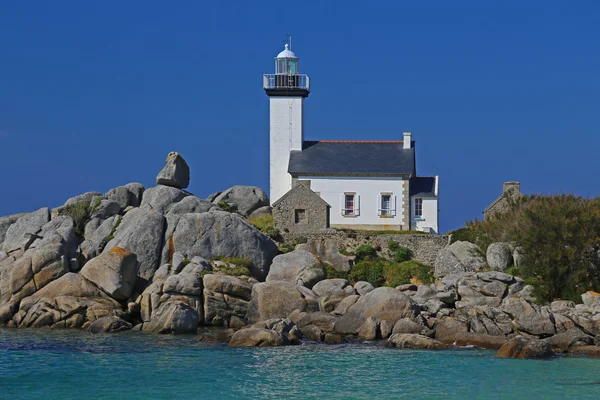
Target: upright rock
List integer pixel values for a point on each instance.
(225, 297)
(114, 272)
(141, 232)
(175, 173)
(128, 195)
(499, 256)
(520, 347)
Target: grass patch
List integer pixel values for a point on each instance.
(79, 213)
(227, 207)
(264, 223)
(111, 235)
(234, 267)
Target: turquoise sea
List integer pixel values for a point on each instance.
(53, 364)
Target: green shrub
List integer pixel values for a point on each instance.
(370, 271)
(300, 240)
(79, 213)
(365, 252)
(465, 234)
(286, 247)
(398, 253)
(262, 222)
(343, 251)
(559, 238)
(111, 235)
(401, 273)
(333, 273)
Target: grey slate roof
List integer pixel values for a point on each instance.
(352, 158)
(422, 186)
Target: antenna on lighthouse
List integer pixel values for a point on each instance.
(290, 37)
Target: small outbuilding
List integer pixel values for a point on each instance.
(301, 210)
(511, 191)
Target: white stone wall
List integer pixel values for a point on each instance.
(286, 131)
(429, 218)
(331, 189)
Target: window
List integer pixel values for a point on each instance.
(386, 204)
(349, 204)
(418, 207)
(300, 216)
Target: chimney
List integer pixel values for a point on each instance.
(407, 140)
(512, 186)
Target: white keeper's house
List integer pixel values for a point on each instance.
(368, 184)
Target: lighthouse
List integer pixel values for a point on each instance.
(287, 89)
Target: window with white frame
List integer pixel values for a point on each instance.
(418, 207)
(386, 205)
(350, 204)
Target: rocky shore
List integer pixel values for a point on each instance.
(162, 260)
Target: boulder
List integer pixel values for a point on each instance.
(175, 173)
(83, 198)
(590, 298)
(331, 292)
(476, 292)
(345, 304)
(588, 351)
(95, 241)
(499, 256)
(161, 198)
(382, 303)
(299, 267)
(245, 199)
(489, 321)
(173, 317)
(407, 325)
(6, 222)
(180, 282)
(529, 318)
(368, 329)
(103, 208)
(278, 299)
(225, 297)
(561, 306)
(520, 347)
(33, 272)
(140, 232)
(328, 250)
(109, 324)
(256, 337)
(414, 341)
(363, 287)
(458, 257)
(562, 342)
(219, 233)
(19, 234)
(64, 312)
(128, 195)
(114, 272)
(69, 285)
(188, 205)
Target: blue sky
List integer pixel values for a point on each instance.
(94, 95)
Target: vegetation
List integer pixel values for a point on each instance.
(234, 267)
(396, 270)
(227, 207)
(79, 213)
(407, 272)
(111, 235)
(264, 223)
(286, 247)
(398, 253)
(558, 237)
(352, 233)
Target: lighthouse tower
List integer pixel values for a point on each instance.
(287, 89)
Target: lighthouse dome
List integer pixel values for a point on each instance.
(287, 53)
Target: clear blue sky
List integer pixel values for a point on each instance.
(94, 95)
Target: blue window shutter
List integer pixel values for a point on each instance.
(393, 206)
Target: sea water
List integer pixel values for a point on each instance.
(68, 364)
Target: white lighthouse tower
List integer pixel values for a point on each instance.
(287, 90)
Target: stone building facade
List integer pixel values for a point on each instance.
(511, 190)
(301, 210)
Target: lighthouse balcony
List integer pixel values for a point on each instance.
(286, 82)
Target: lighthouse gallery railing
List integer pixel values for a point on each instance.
(286, 81)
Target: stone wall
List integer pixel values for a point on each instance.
(425, 248)
(301, 211)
